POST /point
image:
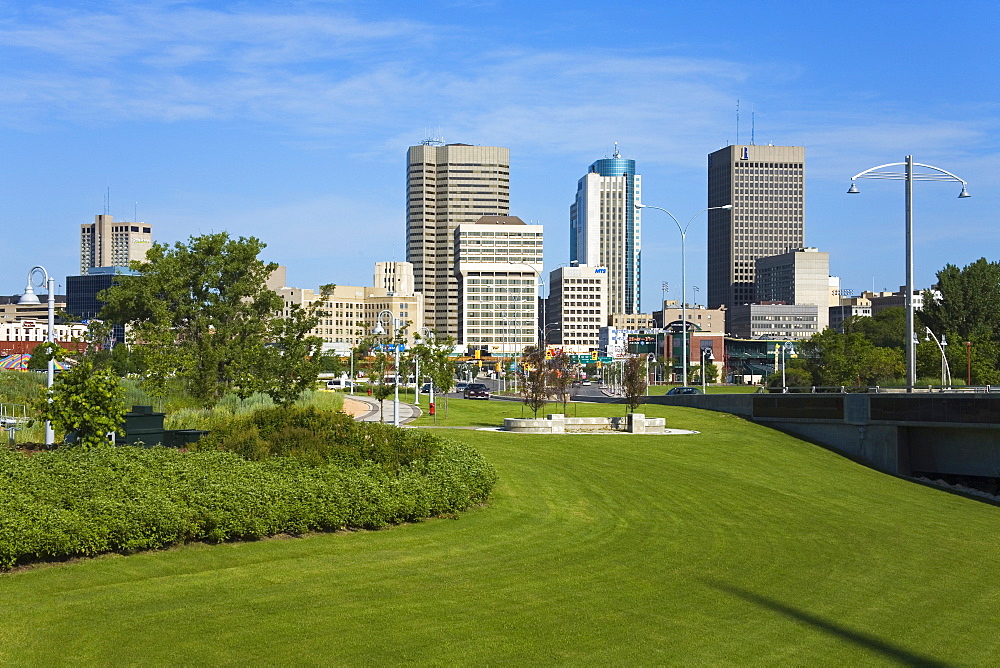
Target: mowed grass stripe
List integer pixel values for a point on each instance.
(736, 545)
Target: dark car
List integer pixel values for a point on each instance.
(476, 391)
(684, 390)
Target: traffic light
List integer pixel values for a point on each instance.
(479, 353)
(548, 353)
(593, 355)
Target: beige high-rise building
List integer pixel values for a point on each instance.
(105, 243)
(766, 187)
(446, 186)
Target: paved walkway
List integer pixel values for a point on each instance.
(366, 409)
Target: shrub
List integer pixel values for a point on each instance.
(79, 502)
(317, 437)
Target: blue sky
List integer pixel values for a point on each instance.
(289, 121)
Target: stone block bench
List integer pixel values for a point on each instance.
(557, 423)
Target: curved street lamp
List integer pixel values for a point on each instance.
(30, 298)
(683, 230)
(378, 330)
(908, 175)
(941, 344)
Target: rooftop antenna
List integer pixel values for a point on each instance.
(432, 139)
(107, 200)
(135, 212)
(737, 120)
(752, 125)
(616, 153)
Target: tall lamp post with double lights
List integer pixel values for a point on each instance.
(909, 176)
(683, 230)
(30, 298)
(379, 330)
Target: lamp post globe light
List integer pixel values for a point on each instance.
(683, 230)
(786, 348)
(706, 358)
(909, 176)
(30, 298)
(378, 330)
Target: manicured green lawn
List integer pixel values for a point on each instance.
(736, 545)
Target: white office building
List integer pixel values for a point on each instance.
(498, 260)
(577, 307)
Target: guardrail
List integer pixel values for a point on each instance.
(876, 389)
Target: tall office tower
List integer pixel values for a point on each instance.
(105, 243)
(766, 186)
(446, 186)
(499, 260)
(604, 228)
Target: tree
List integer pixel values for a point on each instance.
(885, 329)
(835, 359)
(634, 381)
(434, 353)
(201, 313)
(292, 358)
(87, 401)
(559, 376)
(534, 378)
(968, 302)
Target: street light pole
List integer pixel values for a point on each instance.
(909, 176)
(379, 330)
(29, 298)
(941, 344)
(683, 230)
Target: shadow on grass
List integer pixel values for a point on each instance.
(887, 650)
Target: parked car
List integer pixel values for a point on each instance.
(338, 384)
(587, 382)
(460, 387)
(476, 391)
(684, 390)
(426, 389)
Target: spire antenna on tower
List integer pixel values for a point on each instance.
(616, 154)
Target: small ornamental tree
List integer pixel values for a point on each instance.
(559, 367)
(634, 381)
(87, 401)
(534, 378)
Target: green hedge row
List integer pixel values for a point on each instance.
(75, 502)
(318, 437)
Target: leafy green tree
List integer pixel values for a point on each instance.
(885, 329)
(634, 381)
(202, 314)
(435, 360)
(87, 401)
(534, 378)
(849, 359)
(969, 302)
(292, 358)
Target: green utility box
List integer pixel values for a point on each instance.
(181, 438)
(143, 425)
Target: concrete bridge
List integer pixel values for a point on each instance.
(906, 434)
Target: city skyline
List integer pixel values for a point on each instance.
(288, 122)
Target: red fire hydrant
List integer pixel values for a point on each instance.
(432, 408)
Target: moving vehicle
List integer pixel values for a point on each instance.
(683, 390)
(338, 384)
(476, 391)
(460, 387)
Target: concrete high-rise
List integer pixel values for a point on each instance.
(499, 260)
(105, 243)
(446, 186)
(766, 187)
(801, 276)
(605, 225)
